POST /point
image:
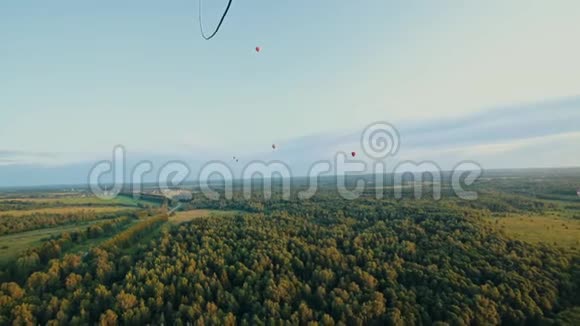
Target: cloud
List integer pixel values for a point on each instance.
(491, 136)
(510, 123)
(543, 134)
(4, 153)
(4, 162)
(10, 157)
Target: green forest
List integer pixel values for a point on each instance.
(322, 261)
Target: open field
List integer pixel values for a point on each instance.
(186, 216)
(65, 210)
(59, 207)
(75, 200)
(550, 229)
(38, 194)
(13, 244)
(66, 200)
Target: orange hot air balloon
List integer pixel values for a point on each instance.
(258, 49)
(353, 154)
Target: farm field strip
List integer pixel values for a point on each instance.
(71, 200)
(12, 245)
(66, 210)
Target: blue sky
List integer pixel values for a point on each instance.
(78, 77)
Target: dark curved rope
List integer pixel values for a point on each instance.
(218, 26)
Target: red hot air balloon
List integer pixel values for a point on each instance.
(258, 49)
(353, 154)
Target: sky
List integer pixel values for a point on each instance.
(79, 77)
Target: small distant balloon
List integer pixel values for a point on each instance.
(258, 49)
(273, 146)
(353, 154)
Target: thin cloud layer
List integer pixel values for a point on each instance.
(543, 134)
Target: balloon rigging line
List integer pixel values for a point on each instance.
(219, 24)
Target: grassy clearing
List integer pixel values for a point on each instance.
(13, 244)
(120, 200)
(66, 210)
(62, 200)
(89, 243)
(37, 195)
(186, 216)
(550, 229)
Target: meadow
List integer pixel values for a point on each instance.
(12, 245)
(66, 210)
(72, 200)
(51, 209)
(547, 229)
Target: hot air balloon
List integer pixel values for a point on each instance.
(353, 154)
(258, 49)
(273, 146)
